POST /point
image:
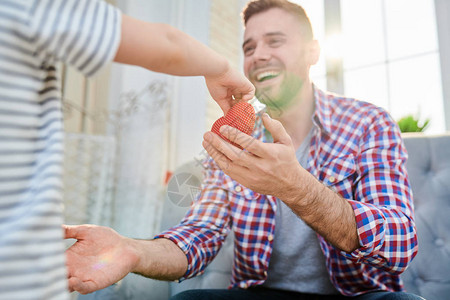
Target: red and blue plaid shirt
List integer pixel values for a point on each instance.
(356, 151)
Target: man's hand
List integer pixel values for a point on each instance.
(273, 169)
(230, 88)
(99, 258)
(266, 168)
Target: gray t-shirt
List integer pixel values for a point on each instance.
(297, 262)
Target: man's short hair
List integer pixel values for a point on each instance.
(258, 6)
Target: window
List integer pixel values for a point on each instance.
(391, 57)
(388, 51)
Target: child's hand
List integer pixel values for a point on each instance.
(230, 88)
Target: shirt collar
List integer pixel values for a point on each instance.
(322, 117)
(323, 111)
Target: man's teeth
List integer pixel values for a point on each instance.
(266, 75)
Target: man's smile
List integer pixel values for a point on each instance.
(265, 75)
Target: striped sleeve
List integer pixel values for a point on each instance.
(82, 33)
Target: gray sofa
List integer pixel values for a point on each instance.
(429, 171)
(428, 275)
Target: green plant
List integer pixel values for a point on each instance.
(411, 124)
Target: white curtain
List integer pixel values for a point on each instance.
(140, 166)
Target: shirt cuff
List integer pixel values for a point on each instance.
(185, 247)
(371, 226)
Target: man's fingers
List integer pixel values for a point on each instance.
(227, 156)
(71, 232)
(226, 165)
(245, 141)
(71, 282)
(83, 287)
(277, 130)
(222, 161)
(77, 231)
(232, 152)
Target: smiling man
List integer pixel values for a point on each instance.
(278, 74)
(327, 173)
(319, 201)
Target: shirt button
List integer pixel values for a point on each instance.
(265, 273)
(270, 237)
(331, 179)
(238, 189)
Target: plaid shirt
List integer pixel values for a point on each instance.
(356, 151)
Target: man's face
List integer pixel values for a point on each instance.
(275, 57)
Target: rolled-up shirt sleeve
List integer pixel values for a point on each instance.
(383, 204)
(202, 231)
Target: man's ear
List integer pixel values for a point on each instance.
(313, 52)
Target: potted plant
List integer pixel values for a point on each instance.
(410, 123)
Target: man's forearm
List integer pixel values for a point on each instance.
(159, 259)
(325, 212)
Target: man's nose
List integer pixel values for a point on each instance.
(262, 52)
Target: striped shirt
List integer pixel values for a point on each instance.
(34, 35)
(357, 152)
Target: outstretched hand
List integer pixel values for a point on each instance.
(266, 168)
(99, 258)
(230, 88)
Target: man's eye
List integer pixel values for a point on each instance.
(275, 43)
(249, 51)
